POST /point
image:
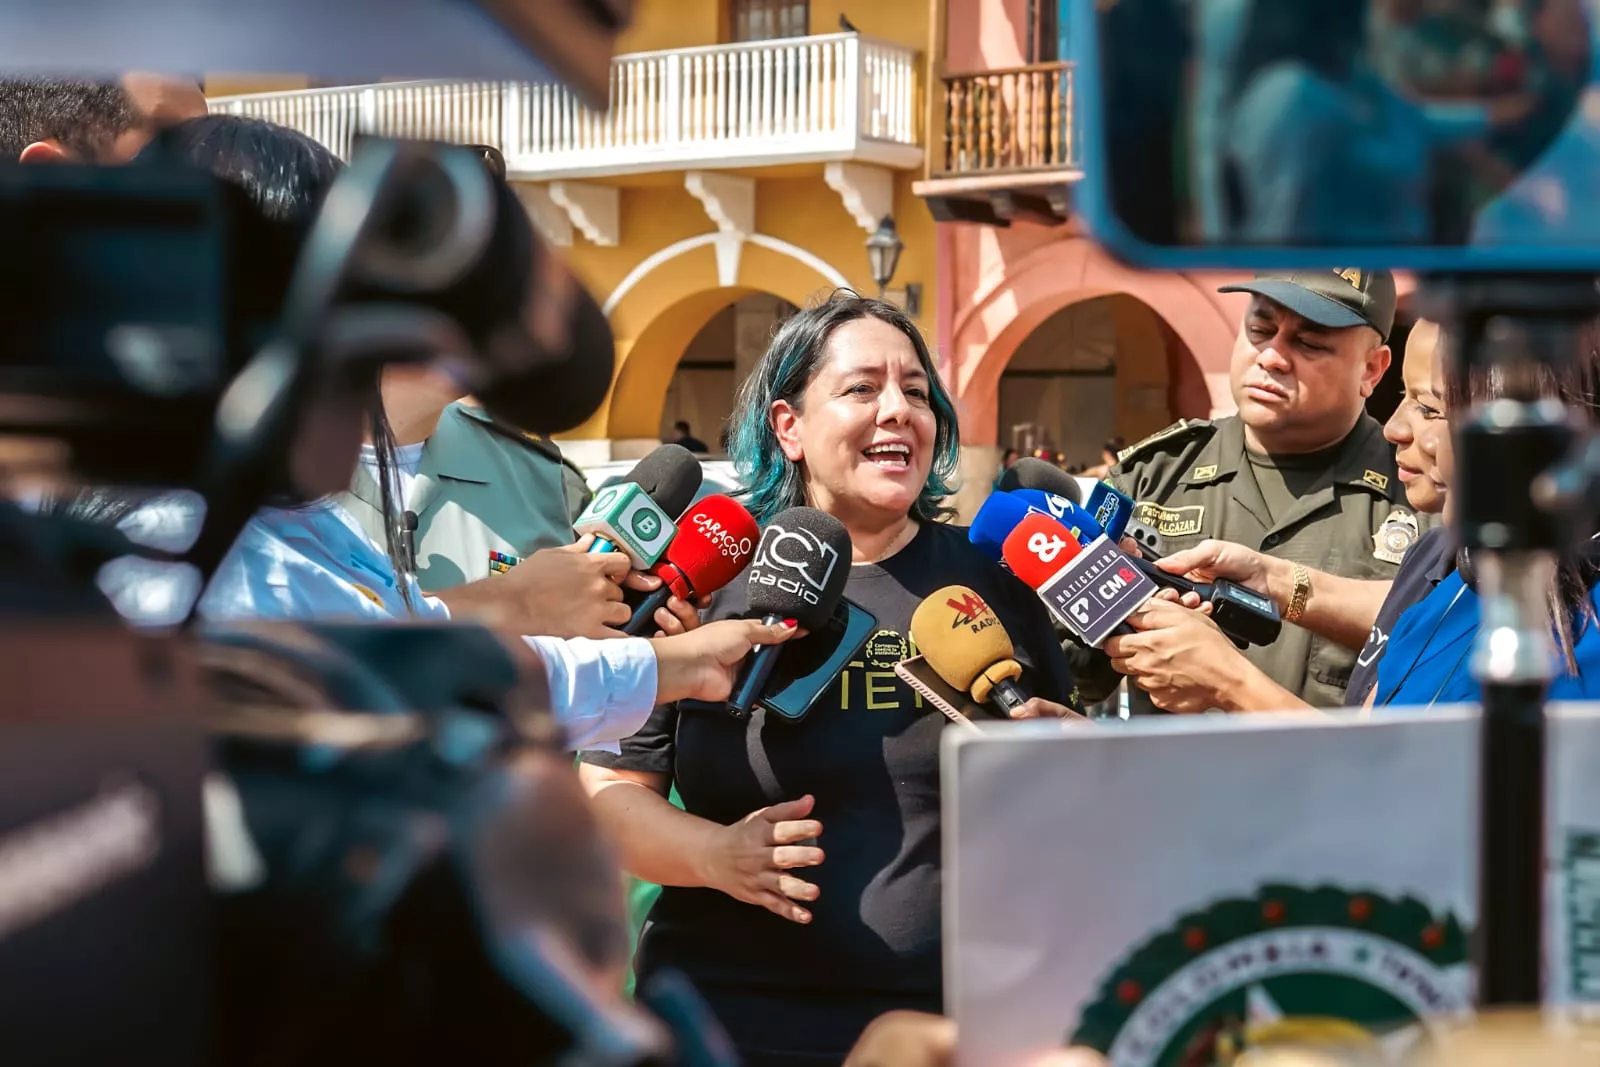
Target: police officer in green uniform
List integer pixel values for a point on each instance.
(485, 496)
(1301, 472)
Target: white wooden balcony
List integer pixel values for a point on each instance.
(798, 100)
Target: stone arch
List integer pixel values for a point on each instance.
(641, 386)
(1016, 299)
(668, 298)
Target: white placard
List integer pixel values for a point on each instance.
(1172, 886)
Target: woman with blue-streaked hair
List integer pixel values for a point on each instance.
(802, 876)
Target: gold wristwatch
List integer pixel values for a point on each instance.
(1302, 592)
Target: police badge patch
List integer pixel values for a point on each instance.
(1397, 534)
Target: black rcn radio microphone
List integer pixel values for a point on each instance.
(802, 563)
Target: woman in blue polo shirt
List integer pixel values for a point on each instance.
(1429, 657)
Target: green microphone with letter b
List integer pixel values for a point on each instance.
(636, 516)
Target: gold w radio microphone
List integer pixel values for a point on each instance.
(962, 640)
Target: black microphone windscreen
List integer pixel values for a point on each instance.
(565, 388)
(1031, 473)
(671, 475)
(802, 564)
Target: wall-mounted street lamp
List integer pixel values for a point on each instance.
(883, 255)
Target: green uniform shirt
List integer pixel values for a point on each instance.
(483, 487)
(1193, 480)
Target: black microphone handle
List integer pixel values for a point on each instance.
(1173, 581)
(1007, 696)
(643, 620)
(754, 677)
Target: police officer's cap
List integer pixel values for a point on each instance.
(1330, 298)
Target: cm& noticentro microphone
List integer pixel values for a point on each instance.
(714, 543)
(636, 516)
(801, 566)
(1247, 617)
(962, 640)
(1091, 590)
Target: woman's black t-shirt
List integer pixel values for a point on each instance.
(1426, 564)
(869, 752)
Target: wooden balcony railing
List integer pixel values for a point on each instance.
(1005, 121)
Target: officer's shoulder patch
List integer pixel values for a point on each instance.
(1181, 431)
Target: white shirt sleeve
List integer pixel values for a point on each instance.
(601, 691)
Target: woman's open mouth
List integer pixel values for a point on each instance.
(891, 455)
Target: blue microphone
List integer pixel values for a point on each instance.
(994, 522)
(1062, 510)
(1111, 509)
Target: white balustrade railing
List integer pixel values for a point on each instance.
(835, 96)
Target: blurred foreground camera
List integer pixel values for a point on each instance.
(401, 864)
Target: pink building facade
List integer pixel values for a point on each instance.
(1047, 340)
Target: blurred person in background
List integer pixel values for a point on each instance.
(1007, 458)
(804, 907)
(1108, 458)
(682, 435)
(1176, 658)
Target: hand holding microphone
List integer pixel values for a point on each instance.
(715, 541)
(556, 592)
(801, 566)
(704, 663)
(962, 639)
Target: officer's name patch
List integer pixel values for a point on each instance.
(1380, 482)
(1171, 522)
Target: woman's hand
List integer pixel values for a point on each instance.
(703, 664)
(915, 1039)
(1178, 656)
(1040, 708)
(750, 860)
(1223, 559)
(677, 616)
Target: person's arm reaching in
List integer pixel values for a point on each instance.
(603, 691)
(1341, 609)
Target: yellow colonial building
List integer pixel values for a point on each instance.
(750, 149)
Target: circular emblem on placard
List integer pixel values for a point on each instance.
(1397, 534)
(646, 525)
(606, 498)
(884, 649)
(1345, 977)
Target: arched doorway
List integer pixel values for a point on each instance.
(1104, 367)
(689, 361)
(716, 363)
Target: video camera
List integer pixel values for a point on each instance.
(400, 861)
